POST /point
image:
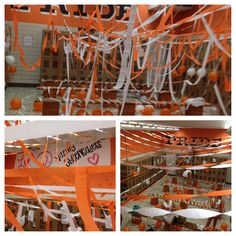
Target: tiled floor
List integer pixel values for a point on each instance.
(28, 96)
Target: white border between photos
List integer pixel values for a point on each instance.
(116, 118)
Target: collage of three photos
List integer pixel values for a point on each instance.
(138, 70)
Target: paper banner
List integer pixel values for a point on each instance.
(220, 193)
(192, 213)
(97, 153)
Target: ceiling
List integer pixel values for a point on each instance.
(75, 137)
(44, 128)
(200, 124)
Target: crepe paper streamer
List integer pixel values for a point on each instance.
(229, 213)
(62, 188)
(219, 193)
(222, 166)
(197, 213)
(45, 151)
(44, 207)
(212, 154)
(66, 212)
(212, 35)
(154, 145)
(192, 213)
(152, 18)
(18, 216)
(112, 216)
(83, 201)
(127, 49)
(93, 71)
(125, 91)
(196, 102)
(151, 147)
(219, 98)
(24, 204)
(30, 155)
(68, 215)
(106, 221)
(11, 217)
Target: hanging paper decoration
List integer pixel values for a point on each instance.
(134, 52)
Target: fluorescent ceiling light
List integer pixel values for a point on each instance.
(148, 126)
(99, 130)
(56, 138)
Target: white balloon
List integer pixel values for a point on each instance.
(10, 60)
(201, 72)
(191, 72)
(147, 181)
(213, 160)
(139, 108)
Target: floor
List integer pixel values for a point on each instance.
(157, 190)
(29, 94)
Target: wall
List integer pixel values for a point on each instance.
(32, 53)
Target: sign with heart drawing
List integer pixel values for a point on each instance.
(94, 159)
(96, 153)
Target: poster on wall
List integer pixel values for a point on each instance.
(96, 153)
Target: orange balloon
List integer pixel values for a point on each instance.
(175, 107)
(182, 69)
(38, 106)
(141, 227)
(63, 109)
(126, 229)
(107, 113)
(224, 227)
(213, 76)
(81, 95)
(147, 111)
(16, 104)
(81, 112)
(158, 224)
(11, 69)
(96, 112)
(165, 112)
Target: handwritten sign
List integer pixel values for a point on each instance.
(95, 153)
